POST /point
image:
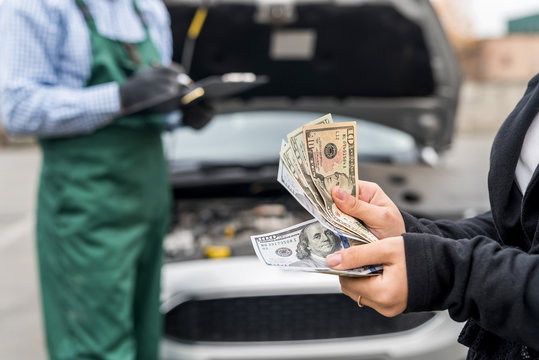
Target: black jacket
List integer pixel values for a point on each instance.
(486, 269)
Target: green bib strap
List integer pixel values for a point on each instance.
(87, 15)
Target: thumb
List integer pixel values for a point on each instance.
(360, 255)
(354, 207)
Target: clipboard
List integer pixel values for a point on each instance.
(214, 87)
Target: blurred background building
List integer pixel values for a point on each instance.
(497, 44)
(511, 55)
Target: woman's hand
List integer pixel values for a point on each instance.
(386, 293)
(373, 207)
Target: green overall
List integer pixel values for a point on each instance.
(103, 210)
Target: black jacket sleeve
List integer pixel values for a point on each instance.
(461, 267)
(480, 225)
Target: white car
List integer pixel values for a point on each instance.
(385, 64)
(237, 308)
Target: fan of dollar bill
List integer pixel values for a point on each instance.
(313, 159)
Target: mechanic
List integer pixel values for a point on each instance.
(83, 77)
(483, 269)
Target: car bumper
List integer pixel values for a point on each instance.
(434, 339)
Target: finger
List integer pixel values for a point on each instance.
(167, 72)
(177, 67)
(163, 78)
(353, 287)
(350, 288)
(380, 252)
(366, 190)
(160, 70)
(355, 207)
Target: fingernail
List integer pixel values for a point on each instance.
(341, 194)
(334, 259)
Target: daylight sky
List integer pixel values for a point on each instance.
(489, 17)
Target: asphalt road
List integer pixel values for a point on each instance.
(21, 335)
(457, 185)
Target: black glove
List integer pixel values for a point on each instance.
(197, 114)
(154, 90)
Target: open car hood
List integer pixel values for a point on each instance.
(383, 61)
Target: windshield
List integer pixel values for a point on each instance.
(256, 137)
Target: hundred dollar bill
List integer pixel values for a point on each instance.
(304, 247)
(331, 152)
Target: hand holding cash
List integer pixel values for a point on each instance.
(313, 161)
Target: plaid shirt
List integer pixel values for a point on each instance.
(46, 58)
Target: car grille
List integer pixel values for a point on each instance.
(281, 318)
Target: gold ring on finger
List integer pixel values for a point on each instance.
(359, 301)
